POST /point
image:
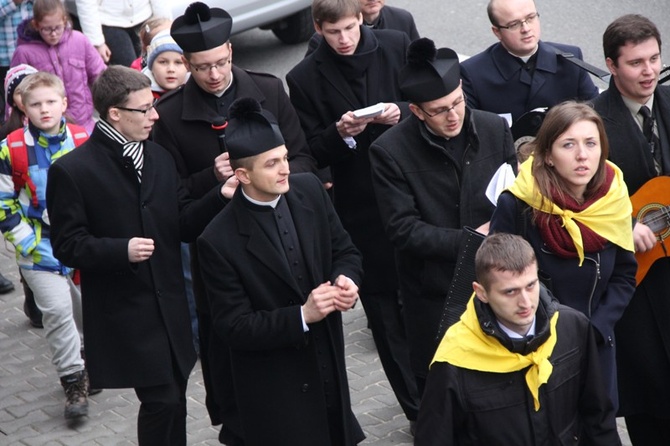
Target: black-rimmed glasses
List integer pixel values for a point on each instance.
(516, 25)
(443, 110)
(144, 111)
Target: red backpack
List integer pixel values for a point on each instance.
(18, 156)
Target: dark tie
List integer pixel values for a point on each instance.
(135, 151)
(651, 137)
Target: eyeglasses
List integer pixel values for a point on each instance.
(52, 29)
(207, 67)
(516, 25)
(144, 111)
(444, 110)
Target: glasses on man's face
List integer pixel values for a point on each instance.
(48, 30)
(516, 25)
(144, 111)
(207, 67)
(444, 110)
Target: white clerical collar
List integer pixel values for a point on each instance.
(527, 57)
(272, 204)
(515, 335)
(218, 95)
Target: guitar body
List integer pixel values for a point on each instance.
(651, 206)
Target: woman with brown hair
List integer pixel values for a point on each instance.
(572, 205)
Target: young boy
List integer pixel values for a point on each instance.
(165, 66)
(25, 223)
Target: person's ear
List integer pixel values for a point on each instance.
(416, 111)
(242, 175)
(113, 114)
(480, 292)
(611, 66)
(496, 32)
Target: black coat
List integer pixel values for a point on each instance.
(601, 288)
(255, 303)
(495, 81)
(643, 333)
(462, 407)
(184, 127)
(425, 200)
(321, 94)
(136, 317)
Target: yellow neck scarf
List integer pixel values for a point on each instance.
(466, 345)
(609, 216)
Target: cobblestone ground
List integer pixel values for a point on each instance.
(31, 398)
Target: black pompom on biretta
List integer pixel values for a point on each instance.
(251, 129)
(429, 73)
(421, 51)
(201, 28)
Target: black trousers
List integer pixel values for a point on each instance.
(162, 417)
(384, 313)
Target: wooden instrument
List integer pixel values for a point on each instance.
(651, 206)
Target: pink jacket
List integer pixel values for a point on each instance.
(74, 60)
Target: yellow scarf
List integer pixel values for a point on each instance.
(609, 216)
(465, 345)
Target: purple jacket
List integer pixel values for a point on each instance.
(74, 60)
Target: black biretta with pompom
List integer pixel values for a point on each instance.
(251, 130)
(429, 73)
(201, 28)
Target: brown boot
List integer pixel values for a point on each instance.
(76, 403)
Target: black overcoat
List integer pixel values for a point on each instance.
(185, 127)
(321, 94)
(643, 333)
(496, 81)
(255, 303)
(136, 316)
(425, 200)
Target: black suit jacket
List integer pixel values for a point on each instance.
(495, 81)
(136, 317)
(255, 303)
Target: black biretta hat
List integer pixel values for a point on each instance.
(201, 28)
(429, 73)
(251, 130)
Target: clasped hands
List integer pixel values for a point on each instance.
(326, 298)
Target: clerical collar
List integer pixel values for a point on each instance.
(514, 335)
(272, 204)
(443, 138)
(218, 95)
(527, 57)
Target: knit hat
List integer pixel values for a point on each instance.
(14, 77)
(161, 43)
(429, 73)
(251, 130)
(201, 28)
